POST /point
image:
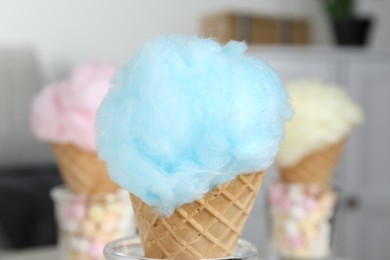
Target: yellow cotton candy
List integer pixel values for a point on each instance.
(324, 115)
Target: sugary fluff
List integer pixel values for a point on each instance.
(324, 115)
(65, 112)
(187, 114)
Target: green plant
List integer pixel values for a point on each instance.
(340, 8)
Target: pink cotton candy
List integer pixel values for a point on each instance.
(65, 112)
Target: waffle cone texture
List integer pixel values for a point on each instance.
(206, 228)
(83, 171)
(317, 168)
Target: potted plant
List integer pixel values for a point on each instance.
(349, 29)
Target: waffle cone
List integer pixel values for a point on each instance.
(317, 168)
(82, 170)
(206, 228)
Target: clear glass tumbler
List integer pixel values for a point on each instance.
(131, 249)
(301, 220)
(86, 223)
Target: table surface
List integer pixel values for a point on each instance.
(44, 253)
(50, 253)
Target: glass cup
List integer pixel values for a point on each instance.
(131, 249)
(301, 220)
(86, 223)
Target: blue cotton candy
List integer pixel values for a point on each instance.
(187, 114)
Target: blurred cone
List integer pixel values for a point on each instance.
(317, 168)
(207, 228)
(83, 171)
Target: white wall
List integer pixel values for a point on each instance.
(379, 10)
(67, 32)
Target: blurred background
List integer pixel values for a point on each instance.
(341, 41)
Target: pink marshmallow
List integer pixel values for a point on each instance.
(79, 211)
(310, 204)
(96, 249)
(285, 205)
(67, 212)
(78, 198)
(276, 193)
(65, 112)
(295, 241)
(74, 211)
